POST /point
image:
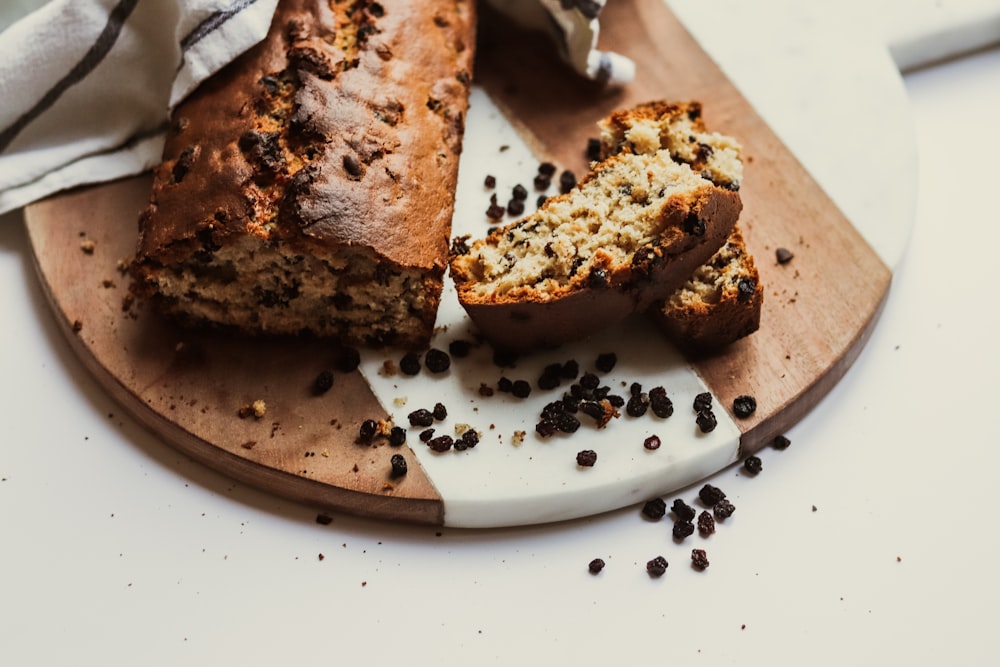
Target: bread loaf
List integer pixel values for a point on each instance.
(309, 186)
(627, 236)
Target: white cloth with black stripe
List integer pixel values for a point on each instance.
(87, 85)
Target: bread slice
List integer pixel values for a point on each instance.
(719, 304)
(309, 186)
(721, 301)
(627, 236)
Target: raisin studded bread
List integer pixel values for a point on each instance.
(719, 304)
(309, 186)
(721, 301)
(627, 236)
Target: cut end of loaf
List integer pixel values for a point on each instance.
(626, 236)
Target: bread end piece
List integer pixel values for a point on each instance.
(719, 304)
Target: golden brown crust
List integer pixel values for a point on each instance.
(334, 143)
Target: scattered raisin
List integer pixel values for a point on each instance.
(469, 439)
(606, 362)
(592, 409)
(542, 182)
(570, 370)
(495, 211)
(426, 434)
(546, 428)
(549, 379)
(520, 389)
(324, 519)
(706, 523)
(437, 361)
(490, 181)
(781, 442)
(440, 412)
(596, 565)
(397, 436)
(515, 207)
(657, 566)
(660, 403)
(723, 509)
(421, 417)
(682, 510)
(702, 401)
(783, 255)
(519, 193)
(652, 442)
(706, 421)
(367, 431)
(655, 509)
(682, 529)
(398, 465)
(323, 383)
(744, 406)
(442, 443)
(699, 559)
(637, 405)
(753, 464)
(547, 169)
(586, 458)
(590, 381)
(711, 495)
(410, 363)
(567, 423)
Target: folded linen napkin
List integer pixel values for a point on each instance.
(87, 85)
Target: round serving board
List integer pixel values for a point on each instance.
(830, 175)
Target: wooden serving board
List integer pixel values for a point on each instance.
(189, 386)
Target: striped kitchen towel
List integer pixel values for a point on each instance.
(87, 85)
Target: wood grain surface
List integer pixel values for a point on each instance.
(189, 386)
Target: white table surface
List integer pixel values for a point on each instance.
(869, 540)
